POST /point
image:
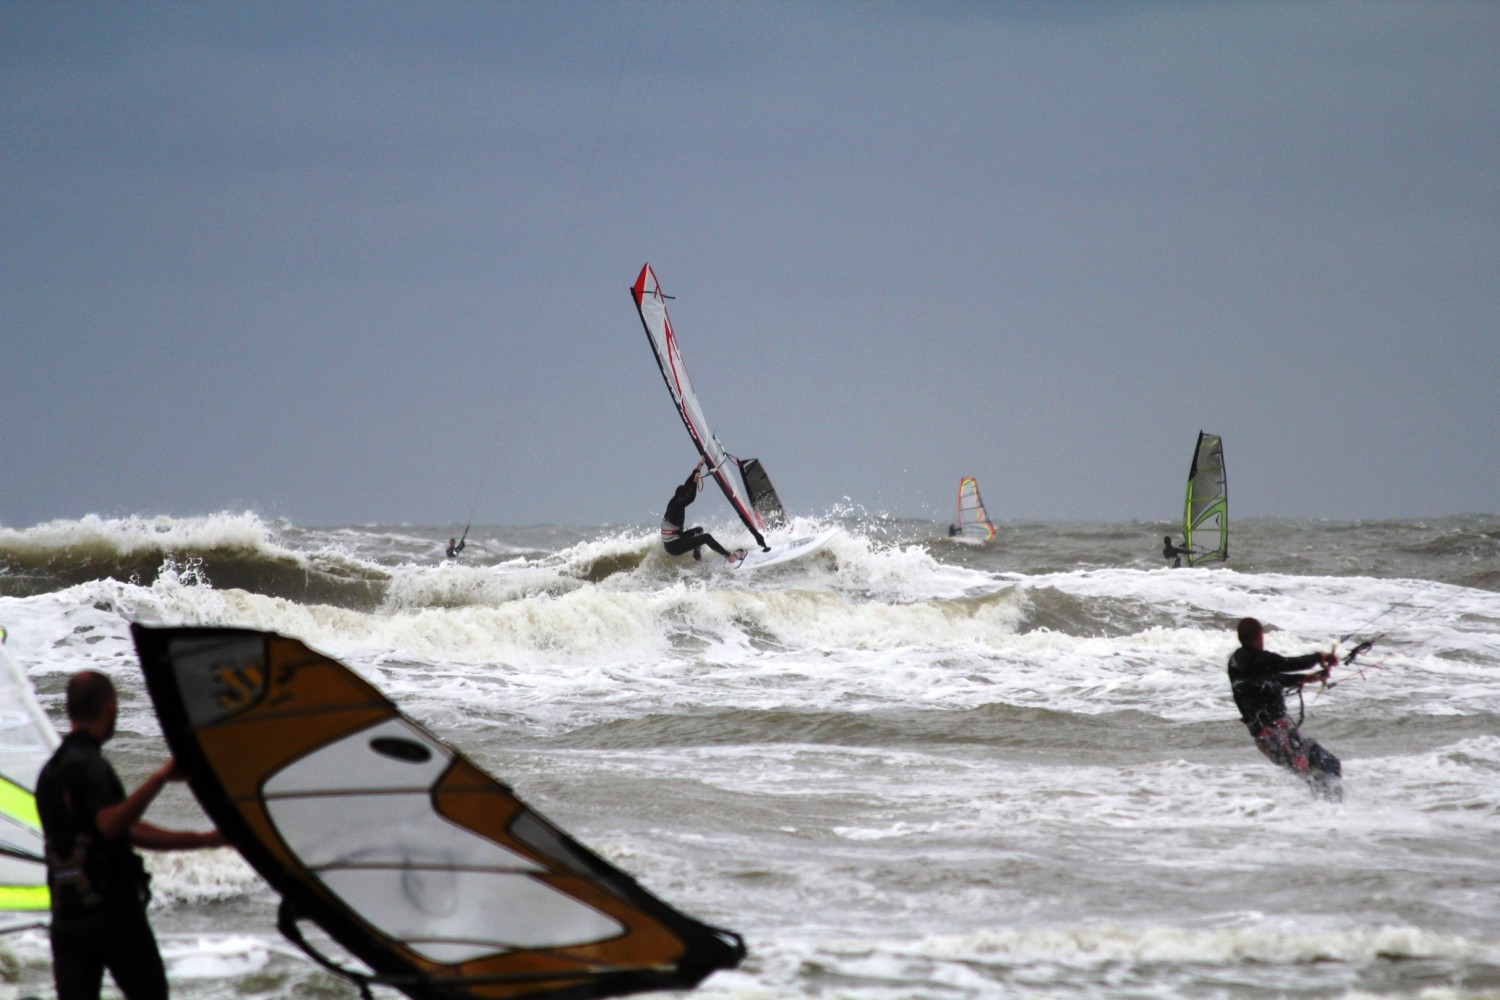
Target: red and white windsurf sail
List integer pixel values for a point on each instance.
(652, 305)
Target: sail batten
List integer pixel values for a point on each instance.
(750, 493)
(1205, 519)
(419, 865)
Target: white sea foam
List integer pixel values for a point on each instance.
(143, 532)
(192, 877)
(902, 769)
(214, 957)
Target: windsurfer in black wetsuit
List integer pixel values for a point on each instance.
(674, 536)
(1259, 680)
(1172, 552)
(455, 547)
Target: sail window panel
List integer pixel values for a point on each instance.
(389, 829)
(355, 763)
(27, 738)
(1208, 528)
(457, 916)
(20, 734)
(14, 871)
(218, 677)
(528, 829)
(22, 831)
(1206, 493)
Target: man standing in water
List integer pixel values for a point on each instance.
(677, 539)
(1172, 552)
(99, 885)
(1259, 680)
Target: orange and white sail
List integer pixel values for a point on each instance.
(415, 861)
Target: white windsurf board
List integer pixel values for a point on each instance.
(780, 552)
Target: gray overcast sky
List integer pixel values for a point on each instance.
(370, 262)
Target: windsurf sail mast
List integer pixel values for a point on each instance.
(416, 862)
(973, 520)
(1205, 518)
(27, 740)
(652, 306)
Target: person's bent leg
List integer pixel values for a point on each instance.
(1273, 741)
(685, 542)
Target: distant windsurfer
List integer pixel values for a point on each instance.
(1172, 552)
(455, 546)
(1259, 680)
(674, 536)
(100, 887)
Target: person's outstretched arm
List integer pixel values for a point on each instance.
(123, 819)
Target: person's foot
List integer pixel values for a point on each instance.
(735, 558)
(698, 554)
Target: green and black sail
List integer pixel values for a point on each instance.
(1205, 518)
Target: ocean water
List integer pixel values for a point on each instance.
(905, 766)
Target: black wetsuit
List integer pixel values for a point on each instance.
(1259, 680)
(100, 887)
(454, 550)
(674, 536)
(1173, 553)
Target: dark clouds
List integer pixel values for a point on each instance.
(369, 262)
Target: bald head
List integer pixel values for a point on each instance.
(90, 696)
(1251, 633)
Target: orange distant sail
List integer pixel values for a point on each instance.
(973, 521)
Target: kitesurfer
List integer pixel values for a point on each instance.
(674, 537)
(454, 548)
(1172, 552)
(1258, 681)
(100, 887)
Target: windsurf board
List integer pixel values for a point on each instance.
(781, 552)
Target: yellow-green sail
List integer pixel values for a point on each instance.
(27, 739)
(1205, 518)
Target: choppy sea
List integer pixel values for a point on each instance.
(905, 766)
